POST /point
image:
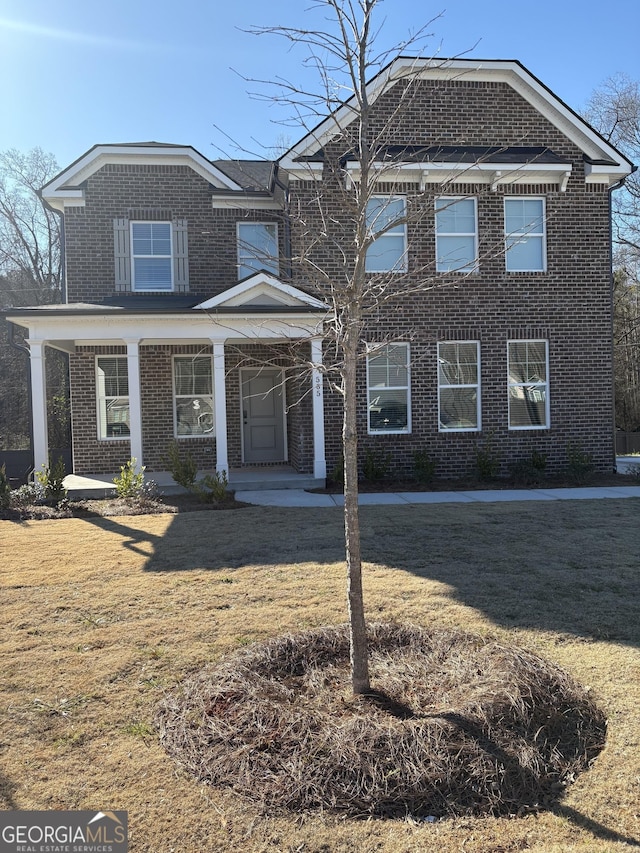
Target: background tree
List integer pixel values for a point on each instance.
(614, 110)
(30, 274)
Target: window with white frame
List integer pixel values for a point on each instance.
(528, 373)
(112, 385)
(193, 395)
(388, 386)
(524, 225)
(458, 386)
(388, 252)
(257, 248)
(151, 256)
(456, 234)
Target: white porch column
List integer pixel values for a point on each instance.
(220, 407)
(135, 400)
(39, 404)
(319, 460)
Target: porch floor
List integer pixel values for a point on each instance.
(240, 479)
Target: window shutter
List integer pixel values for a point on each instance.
(122, 254)
(180, 256)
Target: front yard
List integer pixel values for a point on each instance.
(101, 616)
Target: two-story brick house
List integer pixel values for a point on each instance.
(184, 306)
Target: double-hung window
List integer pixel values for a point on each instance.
(112, 383)
(257, 248)
(386, 222)
(524, 225)
(456, 234)
(528, 384)
(458, 386)
(193, 395)
(388, 389)
(151, 256)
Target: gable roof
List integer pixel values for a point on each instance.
(603, 162)
(66, 188)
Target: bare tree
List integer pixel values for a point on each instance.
(30, 274)
(614, 110)
(337, 222)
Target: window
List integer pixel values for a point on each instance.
(388, 253)
(388, 389)
(528, 385)
(112, 381)
(151, 256)
(257, 248)
(458, 386)
(525, 234)
(456, 235)
(193, 395)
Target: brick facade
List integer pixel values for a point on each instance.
(568, 305)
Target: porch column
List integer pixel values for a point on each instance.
(39, 404)
(319, 460)
(135, 400)
(220, 407)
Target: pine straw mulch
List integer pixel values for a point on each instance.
(458, 725)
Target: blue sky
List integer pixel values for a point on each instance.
(78, 72)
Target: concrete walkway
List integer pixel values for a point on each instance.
(298, 497)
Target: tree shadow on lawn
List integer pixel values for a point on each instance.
(568, 567)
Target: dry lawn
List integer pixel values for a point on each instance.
(101, 616)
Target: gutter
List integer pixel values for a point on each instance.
(287, 219)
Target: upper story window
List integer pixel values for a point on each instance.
(456, 234)
(386, 220)
(257, 248)
(524, 225)
(193, 395)
(528, 384)
(388, 389)
(151, 256)
(112, 386)
(459, 386)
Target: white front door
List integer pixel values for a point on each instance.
(263, 433)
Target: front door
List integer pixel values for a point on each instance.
(263, 415)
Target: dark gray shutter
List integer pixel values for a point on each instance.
(122, 254)
(180, 256)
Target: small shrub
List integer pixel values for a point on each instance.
(129, 483)
(213, 487)
(424, 466)
(27, 495)
(530, 471)
(51, 478)
(182, 469)
(337, 474)
(580, 464)
(5, 489)
(376, 465)
(487, 459)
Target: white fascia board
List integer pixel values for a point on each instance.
(481, 173)
(100, 155)
(245, 202)
(116, 330)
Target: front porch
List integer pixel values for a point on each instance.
(242, 479)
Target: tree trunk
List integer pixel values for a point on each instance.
(357, 625)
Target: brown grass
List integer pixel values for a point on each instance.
(101, 617)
